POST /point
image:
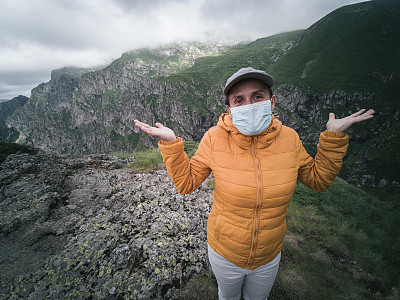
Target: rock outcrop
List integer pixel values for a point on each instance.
(87, 228)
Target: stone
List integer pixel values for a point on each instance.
(120, 256)
(97, 231)
(382, 182)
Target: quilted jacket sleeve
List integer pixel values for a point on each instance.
(318, 173)
(186, 174)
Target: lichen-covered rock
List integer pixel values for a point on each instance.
(29, 186)
(105, 232)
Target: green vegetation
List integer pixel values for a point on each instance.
(7, 108)
(11, 148)
(341, 244)
(144, 55)
(210, 184)
(122, 142)
(147, 160)
(202, 286)
(190, 148)
(212, 71)
(151, 159)
(324, 61)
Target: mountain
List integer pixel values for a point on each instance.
(348, 60)
(86, 111)
(7, 108)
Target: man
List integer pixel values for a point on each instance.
(256, 162)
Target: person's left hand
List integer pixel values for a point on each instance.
(160, 131)
(340, 125)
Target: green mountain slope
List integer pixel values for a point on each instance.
(348, 60)
(354, 48)
(212, 71)
(200, 86)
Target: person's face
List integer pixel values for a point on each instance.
(249, 91)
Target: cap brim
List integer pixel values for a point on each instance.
(268, 80)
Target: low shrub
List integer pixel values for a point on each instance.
(11, 148)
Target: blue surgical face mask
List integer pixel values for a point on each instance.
(252, 119)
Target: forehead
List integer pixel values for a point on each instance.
(247, 86)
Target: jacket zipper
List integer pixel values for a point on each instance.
(258, 207)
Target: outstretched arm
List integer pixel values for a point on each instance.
(160, 131)
(186, 175)
(340, 125)
(320, 172)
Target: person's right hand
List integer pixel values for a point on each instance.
(160, 131)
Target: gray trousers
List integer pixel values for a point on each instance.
(256, 283)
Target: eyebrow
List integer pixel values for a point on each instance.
(253, 93)
(259, 91)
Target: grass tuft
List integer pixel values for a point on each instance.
(147, 160)
(151, 159)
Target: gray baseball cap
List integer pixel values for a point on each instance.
(247, 73)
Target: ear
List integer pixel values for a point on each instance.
(273, 100)
(228, 110)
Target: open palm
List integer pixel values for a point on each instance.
(160, 131)
(340, 125)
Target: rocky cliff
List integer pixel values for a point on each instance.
(81, 111)
(7, 108)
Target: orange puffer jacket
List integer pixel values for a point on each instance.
(254, 178)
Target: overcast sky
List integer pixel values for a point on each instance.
(37, 36)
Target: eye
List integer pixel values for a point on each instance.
(259, 97)
(238, 101)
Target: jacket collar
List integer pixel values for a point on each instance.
(262, 140)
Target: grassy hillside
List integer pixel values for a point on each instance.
(341, 244)
(354, 48)
(169, 59)
(200, 86)
(211, 72)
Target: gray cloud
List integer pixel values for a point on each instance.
(39, 36)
